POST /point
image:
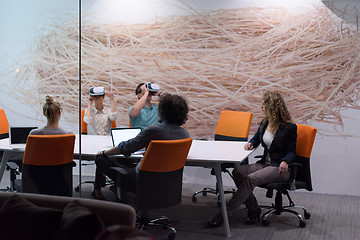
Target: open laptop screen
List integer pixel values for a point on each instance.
(18, 135)
(123, 134)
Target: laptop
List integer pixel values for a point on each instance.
(123, 134)
(18, 136)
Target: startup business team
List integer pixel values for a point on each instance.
(276, 133)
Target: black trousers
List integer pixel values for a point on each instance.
(103, 168)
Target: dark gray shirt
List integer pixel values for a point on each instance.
(164, 131)
(49, 131)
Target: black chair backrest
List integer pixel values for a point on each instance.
(303, 173)
(158, 189)
(159, 180)
(304, 143)
(48, 164)
(49, 180)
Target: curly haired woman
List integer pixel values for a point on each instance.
(277, 134)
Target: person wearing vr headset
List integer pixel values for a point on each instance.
(97, 116)
(144, 113)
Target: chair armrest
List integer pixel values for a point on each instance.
(294, 167)
(11, 166)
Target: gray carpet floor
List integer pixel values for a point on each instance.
(332, 216)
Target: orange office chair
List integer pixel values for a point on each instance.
(231, 126)
(159, 180)
(4, 125)
(84, 124)
(48, 163)
(300, 177)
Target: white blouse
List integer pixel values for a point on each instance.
(268, 138)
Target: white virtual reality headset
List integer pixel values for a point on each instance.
(152, 87)
(97, 91)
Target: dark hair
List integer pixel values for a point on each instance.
(173, 109)
(138, 88)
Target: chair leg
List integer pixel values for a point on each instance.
(278, 208)
(307, 215)
(204, 192)
(108, 182)
(207, 190)
(143, 222)
(15, 184)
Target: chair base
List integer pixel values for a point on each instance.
(278, 208)
(224, 169)
(163, 222)
(207, 190)
(15, 184)
(77, 188)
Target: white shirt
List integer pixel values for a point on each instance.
(268, 138)
(100, 122)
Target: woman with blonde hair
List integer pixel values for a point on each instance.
(52, 112)
(277, 134)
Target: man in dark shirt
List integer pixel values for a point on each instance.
(173, 111)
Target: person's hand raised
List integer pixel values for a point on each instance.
(110, 94)
(90, 100)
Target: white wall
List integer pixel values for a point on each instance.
(20, 23)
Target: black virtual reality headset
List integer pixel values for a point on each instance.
(97, 91)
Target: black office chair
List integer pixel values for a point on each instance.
(158, 182)
(231, 126)
(13, 165)
(48, 164)
(300, 178)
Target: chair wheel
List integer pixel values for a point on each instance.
(204, 194)
(194, 200)
(171, 236)
(302, 224)
(307, 215)
(77, 189)
(265, 223)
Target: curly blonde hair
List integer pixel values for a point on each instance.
(276, 112)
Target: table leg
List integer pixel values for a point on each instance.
(219, 183)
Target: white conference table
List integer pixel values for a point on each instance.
(202, 154)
